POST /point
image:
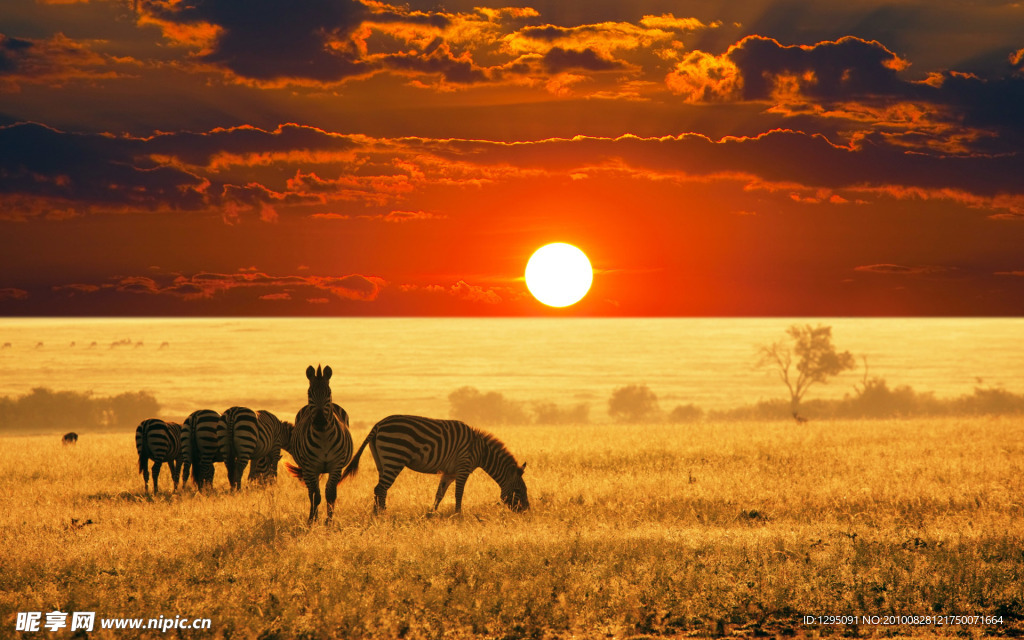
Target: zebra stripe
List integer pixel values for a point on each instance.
(449, 447)
(160, 442)
(239, 426)
(262, 446)
(321, 442)
(201, 436)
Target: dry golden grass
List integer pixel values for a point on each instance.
(735, 528)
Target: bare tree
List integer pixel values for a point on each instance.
(816, 360)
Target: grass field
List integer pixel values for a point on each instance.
(650, 531)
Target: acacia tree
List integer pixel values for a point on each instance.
(816, 360)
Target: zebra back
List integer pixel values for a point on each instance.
(201, 444)
(158, 440)
(239, 428)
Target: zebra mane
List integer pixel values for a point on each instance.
(496, 445)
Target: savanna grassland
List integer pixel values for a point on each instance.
(719, 528)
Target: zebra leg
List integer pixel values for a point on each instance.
(331, 493)
(144, 468)
(240, 463)
(442, 488)
(385, 478)
(460, 486)
(175, 473)
(313, 485)
(156, 475)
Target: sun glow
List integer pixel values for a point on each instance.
(559, 274)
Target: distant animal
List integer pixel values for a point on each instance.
(7, 345)
(39, 345)
(448, 447)
(138, 344)
(320, 442)
(262, 447)
(243, 421)
(798, 417)
(201, 437)
(92, 345)
(69, 438)
(72, 343)
(160, 442)
(164, 345)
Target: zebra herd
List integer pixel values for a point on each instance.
(320, 443)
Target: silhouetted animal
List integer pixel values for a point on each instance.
(798, 417)
(70, 438)
(160, 442)
(321, 442)
(449, 447)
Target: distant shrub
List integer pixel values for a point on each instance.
(43, 409)
(470, 405)
(551, 413)
(686, 413)
(634, 403)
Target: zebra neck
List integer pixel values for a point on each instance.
(496, 461)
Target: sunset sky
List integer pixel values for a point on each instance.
(337, 157)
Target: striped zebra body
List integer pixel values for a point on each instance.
(239, 426)
(201, 436)
(320, 442)
(261, 446)
(450, 448)
(160, 442)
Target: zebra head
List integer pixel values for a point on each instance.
(320, 395)
(514, 495)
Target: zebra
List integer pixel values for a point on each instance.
(237, 423)
(448, 447)
(160, 442)
(320, 442)
(261, 442)
(200, 443)
(70, 438)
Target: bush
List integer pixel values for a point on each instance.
(45, 410)
(551, 413)
(635, 403)
(475, 408)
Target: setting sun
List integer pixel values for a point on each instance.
(559, 274)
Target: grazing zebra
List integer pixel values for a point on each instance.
(237, 423)
(321, 442)
(200, 445)
(160, 442)
(448, 447)
(260, 441)
(70, 438)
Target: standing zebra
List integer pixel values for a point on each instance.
(261, 442)
(160, 442)
(321, 442)
(200, 443)
(448, 447)
(238, 425)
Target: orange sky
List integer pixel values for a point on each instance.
(749, 158)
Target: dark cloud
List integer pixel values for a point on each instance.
(87, 170)
(558, 59)
(898, 269)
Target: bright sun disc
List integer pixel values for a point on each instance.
(559, 274)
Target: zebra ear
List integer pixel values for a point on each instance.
(310, 372)
(522, 469)
(327, 372)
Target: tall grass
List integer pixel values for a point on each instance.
(706, 529)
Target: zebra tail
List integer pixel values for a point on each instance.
(353, 467)
(293, 469)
